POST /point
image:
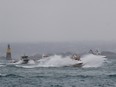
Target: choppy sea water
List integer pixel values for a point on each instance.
(101, 76)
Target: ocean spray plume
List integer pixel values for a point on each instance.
(89, 60)
(57, 61)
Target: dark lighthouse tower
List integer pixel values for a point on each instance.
(8, 53)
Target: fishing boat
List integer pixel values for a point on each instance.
(77, 58)
(25, 59)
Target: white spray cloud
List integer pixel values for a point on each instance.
(93, 60)
(59, 61)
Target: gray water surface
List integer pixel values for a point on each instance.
(104, 76)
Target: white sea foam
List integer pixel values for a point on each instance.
(89, 60)
(93, 60)
(19, 62)
(2, 65)
(31, 62)
(57, 61)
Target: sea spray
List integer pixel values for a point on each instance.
(89, 60)
(57, 61)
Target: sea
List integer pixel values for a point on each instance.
(57, 71)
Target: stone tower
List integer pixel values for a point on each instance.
(8, 53)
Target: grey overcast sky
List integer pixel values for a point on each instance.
(57, 20)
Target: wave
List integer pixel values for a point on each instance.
(66, 76)
(2, 65)
(57, 61)
(10, 75)
(112, 75)
(89, 60)
(20, 62)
